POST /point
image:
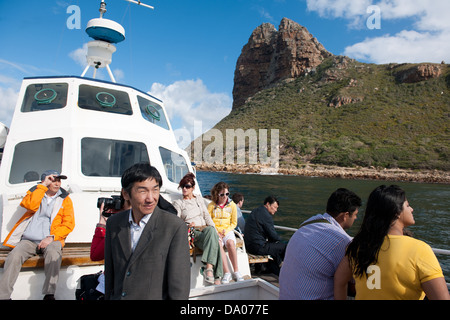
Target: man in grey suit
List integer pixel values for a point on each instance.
(146, 248)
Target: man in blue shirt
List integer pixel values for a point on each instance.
(316, 249)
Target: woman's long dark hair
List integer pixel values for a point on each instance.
(383, 207)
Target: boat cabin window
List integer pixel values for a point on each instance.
(110, 158)
(103, 99)
(32, 158)
(45, 96)
(153, 112)
(174, 164)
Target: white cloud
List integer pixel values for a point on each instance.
(426, 40)
(405, 46)
(20, 69)
(264, 13)
(14, 65)
(430, 14)
(189, 101)
(9, 81)
(11, 74)
(9, 88)
(119, 75)
(8, 100)
(348, 9)
(79, 55)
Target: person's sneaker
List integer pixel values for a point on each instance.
(49, 297)
(226, 277)
(238, 276)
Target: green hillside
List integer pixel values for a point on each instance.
(386, 123)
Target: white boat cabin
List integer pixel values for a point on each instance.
(91, 131)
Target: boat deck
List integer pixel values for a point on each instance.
(270, 278)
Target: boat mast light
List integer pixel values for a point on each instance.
(105, 34)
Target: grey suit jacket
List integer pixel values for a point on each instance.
(159, 268)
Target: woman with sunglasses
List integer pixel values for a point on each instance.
(223, 212)
(192, 210)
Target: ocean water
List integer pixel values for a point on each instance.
(303, 197)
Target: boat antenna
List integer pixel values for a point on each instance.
(102, 8)
(106, 33)
(140, 3)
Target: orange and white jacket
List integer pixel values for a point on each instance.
(62, 217)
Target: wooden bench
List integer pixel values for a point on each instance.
(79, 254)
(252, 258)
(72, 254)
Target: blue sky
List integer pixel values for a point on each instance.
(185, 51)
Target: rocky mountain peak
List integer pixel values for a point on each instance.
(272, 55)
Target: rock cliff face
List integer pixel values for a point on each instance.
(344, 113)
(271, 56)
(419, 73)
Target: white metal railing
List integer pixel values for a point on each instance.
(441, 251)
(435, 250)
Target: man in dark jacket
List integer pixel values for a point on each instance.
(146, 248)
(260, 235)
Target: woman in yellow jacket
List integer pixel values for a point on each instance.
(223, 212)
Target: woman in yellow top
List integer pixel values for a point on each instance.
(385, 263)
(223, 212)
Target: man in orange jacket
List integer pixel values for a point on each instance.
(42, 229)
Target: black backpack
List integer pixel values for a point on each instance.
(87, 290)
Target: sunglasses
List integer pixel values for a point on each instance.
(187, 186)
(224, 194)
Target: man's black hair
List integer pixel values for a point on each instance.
(137, 173)
(271, 200)
(342, 200)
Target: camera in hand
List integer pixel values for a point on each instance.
(114, 203)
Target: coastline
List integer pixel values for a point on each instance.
(309, 170)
